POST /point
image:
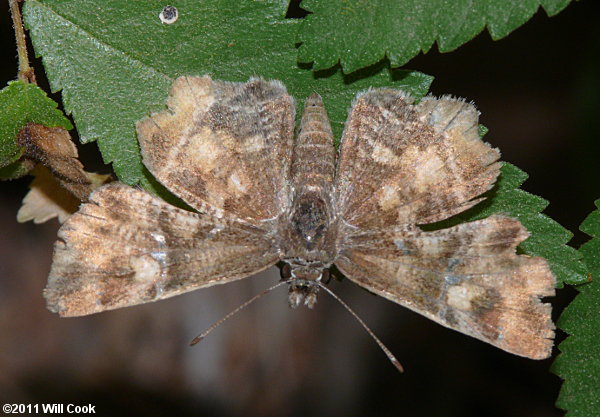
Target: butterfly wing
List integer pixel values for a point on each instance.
(410, 164)
(126, 247)
(224, 148)
(402, 165)
(467, 278)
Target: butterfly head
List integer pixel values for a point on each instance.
(303, 282)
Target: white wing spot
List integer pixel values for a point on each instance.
(237, 183)
(461, 296)
(159, 238)
(388, 198)
(146, 268)
(215, 230)
(384, 155)
(402, 246)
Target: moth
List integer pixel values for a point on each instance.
(262, 195)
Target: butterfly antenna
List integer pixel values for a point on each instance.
(387, 352)
(216, 324)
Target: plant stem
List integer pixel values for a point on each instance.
(26, 73)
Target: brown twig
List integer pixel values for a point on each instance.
(26, 73)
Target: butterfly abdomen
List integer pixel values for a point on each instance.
(313, 164)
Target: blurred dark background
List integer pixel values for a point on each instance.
(539, 94)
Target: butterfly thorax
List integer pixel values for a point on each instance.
(310, 225)
(309, 235)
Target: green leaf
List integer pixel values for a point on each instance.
(358, 33)
(15, 170)
(579, 361)
(115, 60)
(547, 237)
(22, 103)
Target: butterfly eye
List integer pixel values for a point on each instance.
(325, 276)
(286, 271)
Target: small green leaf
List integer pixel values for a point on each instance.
(359, 33)
(22, 103)
(15, 170)
(579, 361)
(115, 60)
(548, 239)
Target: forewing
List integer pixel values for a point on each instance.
(126, 247)
(224, 148)
(402, 163)
(467, 278)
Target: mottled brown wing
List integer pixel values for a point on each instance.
(402, 163)
(224, 148)
(467, 278)
(127, 247)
